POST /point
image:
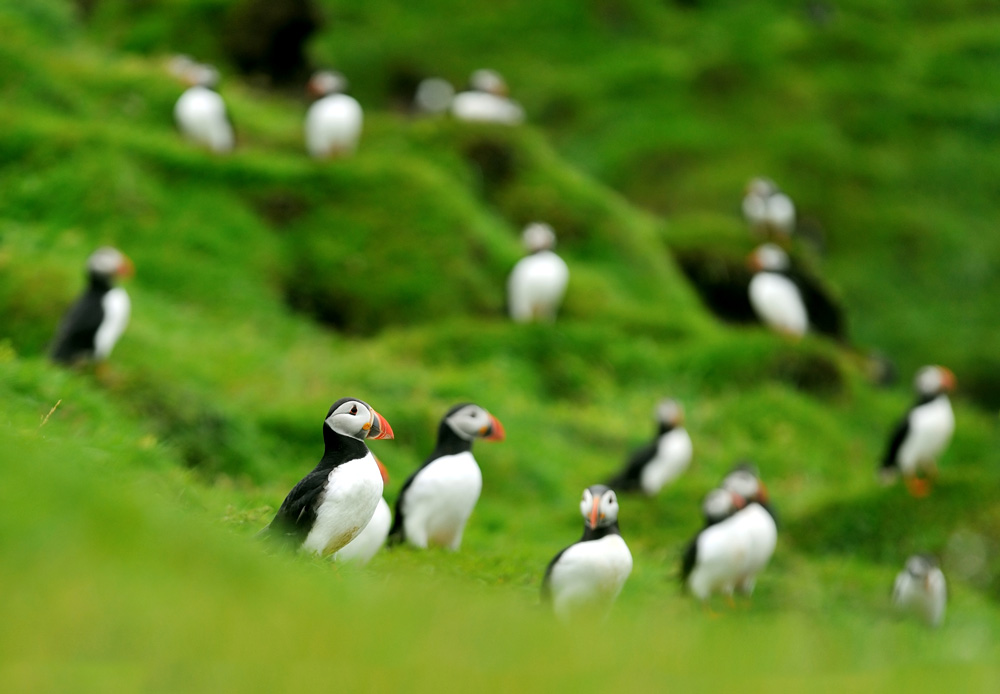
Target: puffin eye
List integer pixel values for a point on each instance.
(354, 409)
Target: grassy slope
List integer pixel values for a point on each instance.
(140, 483)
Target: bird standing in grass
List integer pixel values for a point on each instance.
(370, 540)
(437, 500)
(587, 576)
(331, 505)
(769, 212)
(93, 325)
(200, 111)
(921, 589)
(537, 284)
(774, 296)
(333, 122)
(923, 433)
(662, 460)
(487, 101)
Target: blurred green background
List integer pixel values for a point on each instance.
(269, 285)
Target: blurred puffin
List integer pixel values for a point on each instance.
(589, 574)
(201, 113)
(769, 212)
(333, 122)
(537, 284)
(775, 298)
(92, 326)
(370, 540)
(920, 588)
(731, 550)
(486, 101)
(662, 460)
(923, 433)
(437, 500)
(331, 505)
(433, 96)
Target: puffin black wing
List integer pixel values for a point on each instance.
(397, 533)
(547, 579)
(75, 335)
(630, 477)
(824, 313)
(898, 436)
(297, 514)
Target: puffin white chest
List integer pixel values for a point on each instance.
(673, 455)
(927, 598)
(440, 500)
(117, 309)
(730, 554)
(931, 427)
(201, 116)
(536, 286)
(590, 573)
(333, 123)
(486, 108)
(347, 504)
(778, 302)
(370, 540)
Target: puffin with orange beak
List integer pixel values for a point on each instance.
(367, 544)
(437, 500)
(921, 589)
(331, 505)
(924, 432)
(589, 575)
(92, 326)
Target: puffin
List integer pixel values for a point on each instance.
(486, 101)
(537, 284)
(437, 499)
(663, 459)
(920, 589)
(774, 296)
(370, 540)
(737, 542)
(91, 327)
(588, 575)
(433, 96)
(923, 433)
(331, 505)
(333, 122)
(200, 112)
(769, 212)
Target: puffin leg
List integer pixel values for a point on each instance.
(918, 487)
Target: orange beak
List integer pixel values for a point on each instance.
(127, 267)
(494, 432)
(762, 493)
(382, 471)
(592, 520)
(753, 262)
(948, 379)
(380, 428)
(738, 501)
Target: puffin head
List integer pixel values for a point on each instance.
(932, 381)
(669, 413)
(357, 419)
(744, 480)
(201, 75)
(538, 236)
(108, 264)
(761, 187)
(324, 82)
(488, 81)
(768, 257)
(719, 504)
(470, 422)
(599, 506)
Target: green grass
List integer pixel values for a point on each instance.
(268, 286)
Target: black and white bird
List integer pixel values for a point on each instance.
(769, 212)
(331, 505)
(921, 589)
(92, 326)
(587, 576)
(923, 433)
(729, 553)
(200, 112)
(662, 460)
(774, 296)
(437, 500)
(370, 540)
(537, 284)
(486, 101)
(333, 122)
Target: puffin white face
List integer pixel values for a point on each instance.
(472, 421)
(919, 566)
(538, 236)
(326, 82)
(488, 81)
(109, 262)
(746, 484)
(599, 506)
(357, 419)
(719, 504)
(769, 257)
(670, 413)
(761, 187)
(934, 380)
(203, 75)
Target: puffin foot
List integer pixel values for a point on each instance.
(919, 488)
